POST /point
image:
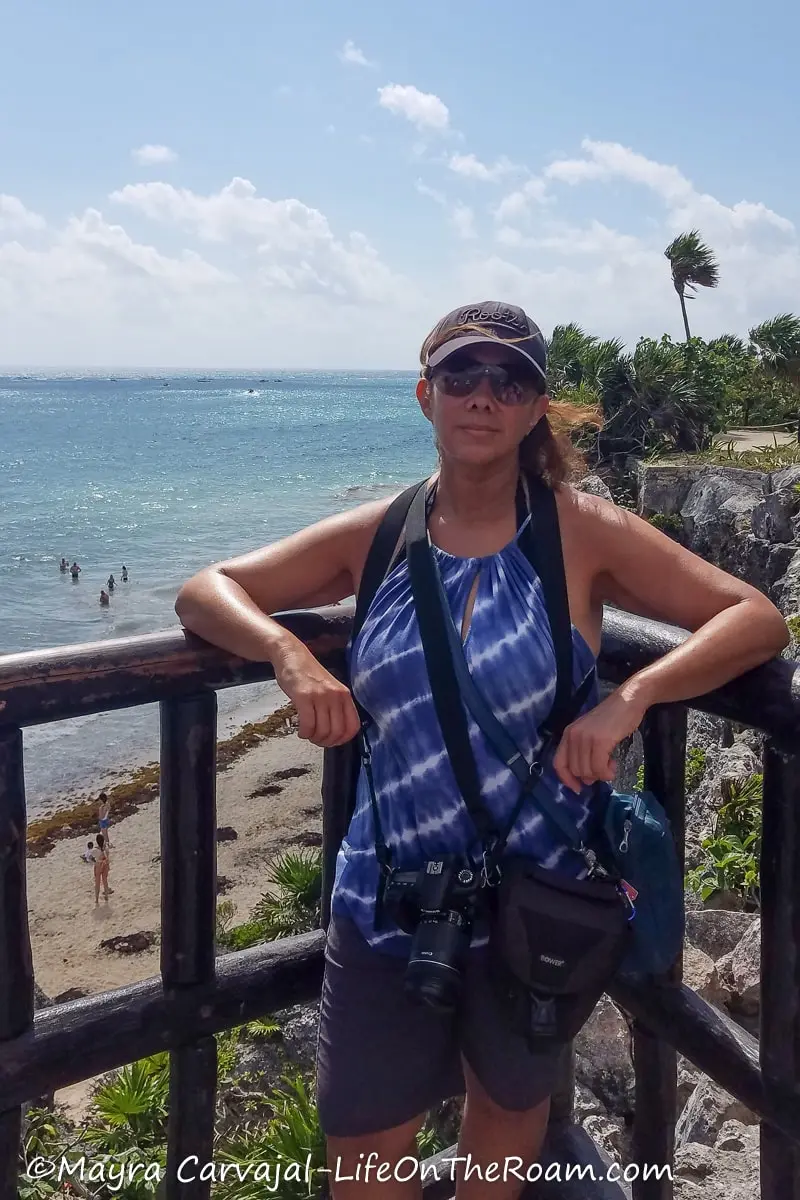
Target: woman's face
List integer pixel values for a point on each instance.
(478, 428)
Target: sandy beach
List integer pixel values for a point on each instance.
(270, 796)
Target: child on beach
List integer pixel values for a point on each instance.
(101, 860)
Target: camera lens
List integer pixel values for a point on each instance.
(433, 976)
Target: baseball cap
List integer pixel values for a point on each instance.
(505, 322)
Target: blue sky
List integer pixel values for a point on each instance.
(313, 184)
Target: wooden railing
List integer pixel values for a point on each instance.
(197, 995)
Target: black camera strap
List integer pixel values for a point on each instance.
(433, 619)
(402, 534)
(452, 687)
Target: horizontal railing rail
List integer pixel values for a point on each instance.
(199, 993)
(70, 681)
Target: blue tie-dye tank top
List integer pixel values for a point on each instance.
(509, 649)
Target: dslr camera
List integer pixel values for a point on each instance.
(436, 904)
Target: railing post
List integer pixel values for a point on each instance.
(655, 1061)
(340, 766)
(188, 918)
(779, 1043)
(16, 964)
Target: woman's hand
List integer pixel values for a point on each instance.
(584, 752)
(325, 710)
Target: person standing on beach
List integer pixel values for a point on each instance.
(104, 816)
(101, 859)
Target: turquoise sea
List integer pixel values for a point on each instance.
(166, 473)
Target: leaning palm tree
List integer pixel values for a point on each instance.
(693, 265)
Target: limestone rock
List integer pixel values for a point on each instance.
(595, 486)
(717, 931)
(662, 488)
(700, 974)
(603, 1061)
(706, 1111)
(703, 1173)
(740, 972)
(719, 507)
(688, 1078)
(738, 1138)
(586, 1104)
(785, 479)
(771, 519)
(786, 593)
(610, 1135)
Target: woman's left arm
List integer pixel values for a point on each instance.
(733, 628)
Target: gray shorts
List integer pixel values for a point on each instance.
(383, 1060)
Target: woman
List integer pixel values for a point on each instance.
(382, 1062)
(101, 859)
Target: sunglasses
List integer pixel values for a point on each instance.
(510, 384)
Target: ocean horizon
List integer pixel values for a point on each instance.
(165, 471)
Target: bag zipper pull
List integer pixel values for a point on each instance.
(627, 827)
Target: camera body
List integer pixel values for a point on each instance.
(436, 905)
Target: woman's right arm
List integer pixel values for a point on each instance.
(229, 605)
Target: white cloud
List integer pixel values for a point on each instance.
(151, 156)
(518, 203)
(234, 277)
(15, 217)
(351, 54)
(472, 168)
(610, 160)
(463, 219)
(423, 109)
(432, 193)
(297, 246)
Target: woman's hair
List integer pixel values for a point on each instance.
(547, 452)
(101, 841)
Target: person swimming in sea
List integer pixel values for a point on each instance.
(110, 585)
(124, 573)
(74, 570)
(104, 597)
(63, 566)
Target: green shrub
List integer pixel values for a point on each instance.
(669, 523)
(695, 767)
(293, 906)
(250, 933)
(731, 853)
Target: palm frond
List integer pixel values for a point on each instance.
(692, 262)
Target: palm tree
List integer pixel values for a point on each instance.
(777, 344)
(693, 265)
